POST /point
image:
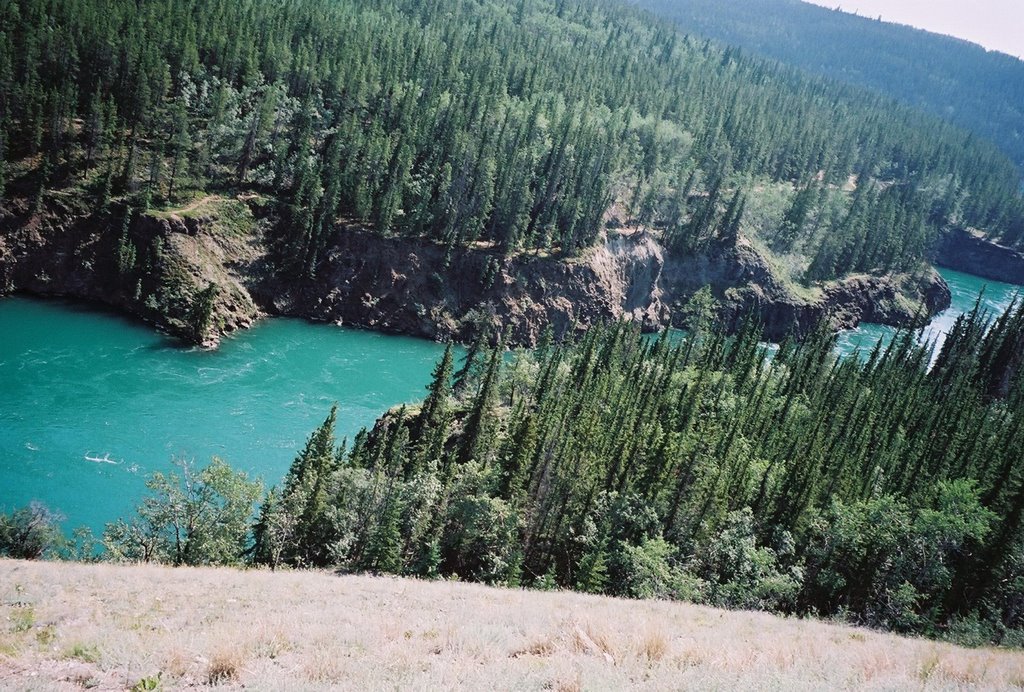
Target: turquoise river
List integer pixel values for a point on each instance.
(90, 402)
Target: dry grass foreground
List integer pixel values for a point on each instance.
(72, 626)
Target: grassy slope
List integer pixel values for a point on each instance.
(68, 626)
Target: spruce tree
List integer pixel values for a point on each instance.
(383, 550)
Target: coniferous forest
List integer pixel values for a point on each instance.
(525, 124)
(886, 490)
(978, 89)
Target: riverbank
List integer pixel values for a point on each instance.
(83, 382)
(968, 251)
(967, 291)
(203, 271)
(111, 627)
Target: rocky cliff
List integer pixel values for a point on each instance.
(154, 267)
(202, 271)
(412, 287)
(894, 300)
(969, 251)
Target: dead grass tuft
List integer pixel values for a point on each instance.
(225, 666)
(929, 664)
(960, 672)
(653, 644)
(270, 643)
(541, 647)
(323, 667)
(691, 658)
(592, 640)
(177, 662)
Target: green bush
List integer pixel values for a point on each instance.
(652, 570)
(740, 574)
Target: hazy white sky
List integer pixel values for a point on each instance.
(995, 24)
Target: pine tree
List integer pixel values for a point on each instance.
(383, 550)
(305, 499)
(316, 457)
(477, 425)
(468, 373)
(517, 456)
(592, 572)
(126, 250)
(181, 142)
(270, 532)
(200, 318)
(439, 392)
(3, 161)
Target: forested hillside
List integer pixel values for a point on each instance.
(518, 126)
(480, 134)
(956, 80)
(886, 490)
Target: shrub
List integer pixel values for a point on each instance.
(742, 575)
(651, 571)
(30, 533)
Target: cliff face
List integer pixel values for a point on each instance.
(155, 268)
(745, 284)
(967, 251)
(161, 267)
(407, 286)
(844, 304)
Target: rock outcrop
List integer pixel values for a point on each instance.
(969, 251)
(156, 268)
(162, 267)
(409, 286)
(894, 300)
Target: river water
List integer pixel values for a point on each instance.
(91, 402)
(965, 289)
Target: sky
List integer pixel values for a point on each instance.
(995, 24)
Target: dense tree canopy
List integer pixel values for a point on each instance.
(887, 489)
(980, 90)
(523, 124)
